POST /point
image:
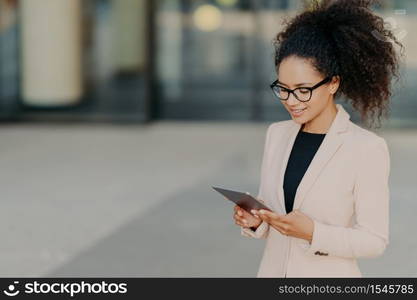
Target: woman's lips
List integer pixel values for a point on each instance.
(297, 113)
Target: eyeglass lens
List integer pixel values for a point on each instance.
(301, 94)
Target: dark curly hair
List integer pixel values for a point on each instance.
(345, 38)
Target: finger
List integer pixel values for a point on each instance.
(255, 213)
(241, 223)
(240, 219)
(236, 208)
(284, 229)
(237, 217)
(246, 213)
(269, 214)
(263, 217)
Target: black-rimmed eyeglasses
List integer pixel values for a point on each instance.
(302, 94)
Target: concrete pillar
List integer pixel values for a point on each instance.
(51, 52)
(129, 35)
(170, 43)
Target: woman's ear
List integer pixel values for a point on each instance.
(334, 84)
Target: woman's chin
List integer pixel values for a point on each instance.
(298, 120)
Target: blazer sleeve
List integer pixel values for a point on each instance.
(263, 228)
(369, 235)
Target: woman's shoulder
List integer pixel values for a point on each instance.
(370, 150)
(276, 129)
(280, 125)
(358, 136)
(365, 136)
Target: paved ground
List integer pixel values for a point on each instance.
(103, 200)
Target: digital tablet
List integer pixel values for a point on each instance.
(243, 199)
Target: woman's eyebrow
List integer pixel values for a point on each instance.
(298, 84)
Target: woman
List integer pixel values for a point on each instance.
(324, 177)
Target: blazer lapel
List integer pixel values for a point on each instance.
(327, 149)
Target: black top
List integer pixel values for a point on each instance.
(302, 153)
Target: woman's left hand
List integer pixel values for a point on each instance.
(294, 224)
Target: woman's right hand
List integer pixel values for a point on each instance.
(245, 219)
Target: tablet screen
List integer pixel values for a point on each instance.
(243, 199)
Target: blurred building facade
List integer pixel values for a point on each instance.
(142, 60)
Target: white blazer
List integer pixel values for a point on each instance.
(344, 190)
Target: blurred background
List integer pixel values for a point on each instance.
(117, 116)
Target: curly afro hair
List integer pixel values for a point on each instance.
(345, 38)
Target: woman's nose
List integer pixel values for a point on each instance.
(292, 100)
